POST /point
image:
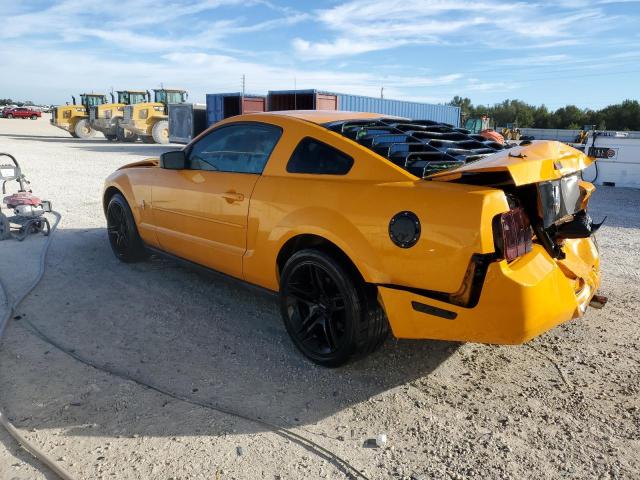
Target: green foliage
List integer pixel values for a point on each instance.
(622, 116)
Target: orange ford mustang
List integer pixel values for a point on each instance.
(364, 223)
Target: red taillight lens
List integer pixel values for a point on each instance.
(512, 232)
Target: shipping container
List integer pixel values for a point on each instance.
(319, 100)
(400, 108)
(186, 121)
(225, 105)
(279, 100)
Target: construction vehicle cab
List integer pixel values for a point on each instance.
(150, 120)
(106, 118)
(482, 126)
(75, 118)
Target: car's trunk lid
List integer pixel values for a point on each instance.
(531, 162)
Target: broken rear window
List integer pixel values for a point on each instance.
(421, 147)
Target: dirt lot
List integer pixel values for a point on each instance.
(564, 406)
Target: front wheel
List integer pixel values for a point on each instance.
(160, 132)
(9, 116)
(34, 117)
(123, 233)
(330, 315)
(82, 129)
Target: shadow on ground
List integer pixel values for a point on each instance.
(200, 336)
(98, 144)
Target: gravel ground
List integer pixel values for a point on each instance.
(564, 406)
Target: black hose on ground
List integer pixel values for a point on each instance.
(4, 321)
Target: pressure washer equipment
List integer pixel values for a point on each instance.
(27, 210)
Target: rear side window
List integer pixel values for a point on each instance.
(313, 156)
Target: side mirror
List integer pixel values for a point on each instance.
(174, 160)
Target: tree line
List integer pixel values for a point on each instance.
(621, 116)
(8, 101)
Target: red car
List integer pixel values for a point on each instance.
(21, 112)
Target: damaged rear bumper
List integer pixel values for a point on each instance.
(519, 300)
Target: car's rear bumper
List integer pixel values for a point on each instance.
(519, 300)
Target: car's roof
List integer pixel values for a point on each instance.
(326, 116)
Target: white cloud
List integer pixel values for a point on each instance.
(361, 26)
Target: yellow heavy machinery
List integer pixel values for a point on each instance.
(482, 126)
(150, 120)
(511, 132)
(75, 118)
(106, 117)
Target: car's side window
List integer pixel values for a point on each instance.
(314, 156)
(239, 148)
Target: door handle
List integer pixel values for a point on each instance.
(233, 197)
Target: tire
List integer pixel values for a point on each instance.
(160, 132)
(123, 233)
(330, 315)
(33, 117)
(147, 139)
(83, 130)
(125, 136)
(10, 116)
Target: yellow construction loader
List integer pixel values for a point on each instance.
(106, 117)
(511, 132)
(75, 118)
(150, 120)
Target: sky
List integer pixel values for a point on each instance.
(581, 52)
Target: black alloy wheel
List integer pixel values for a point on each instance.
(123, 234)
(325, 310)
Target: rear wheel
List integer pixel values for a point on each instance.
(83, 130)
(330, 315)
(33, 117)
(160, 132)
(123, 233)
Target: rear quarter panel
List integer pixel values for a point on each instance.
(353, 212)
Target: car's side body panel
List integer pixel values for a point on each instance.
(355, 216)
(202, 216)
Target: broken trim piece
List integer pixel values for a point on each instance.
(468, 294)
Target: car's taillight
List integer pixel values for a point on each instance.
(512, 234)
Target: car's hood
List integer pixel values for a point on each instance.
(147, 162)
(534, 162)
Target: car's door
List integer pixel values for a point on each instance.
(200, 213)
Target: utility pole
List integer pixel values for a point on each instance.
(381, 92)
(243, 84)
(295, 94)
